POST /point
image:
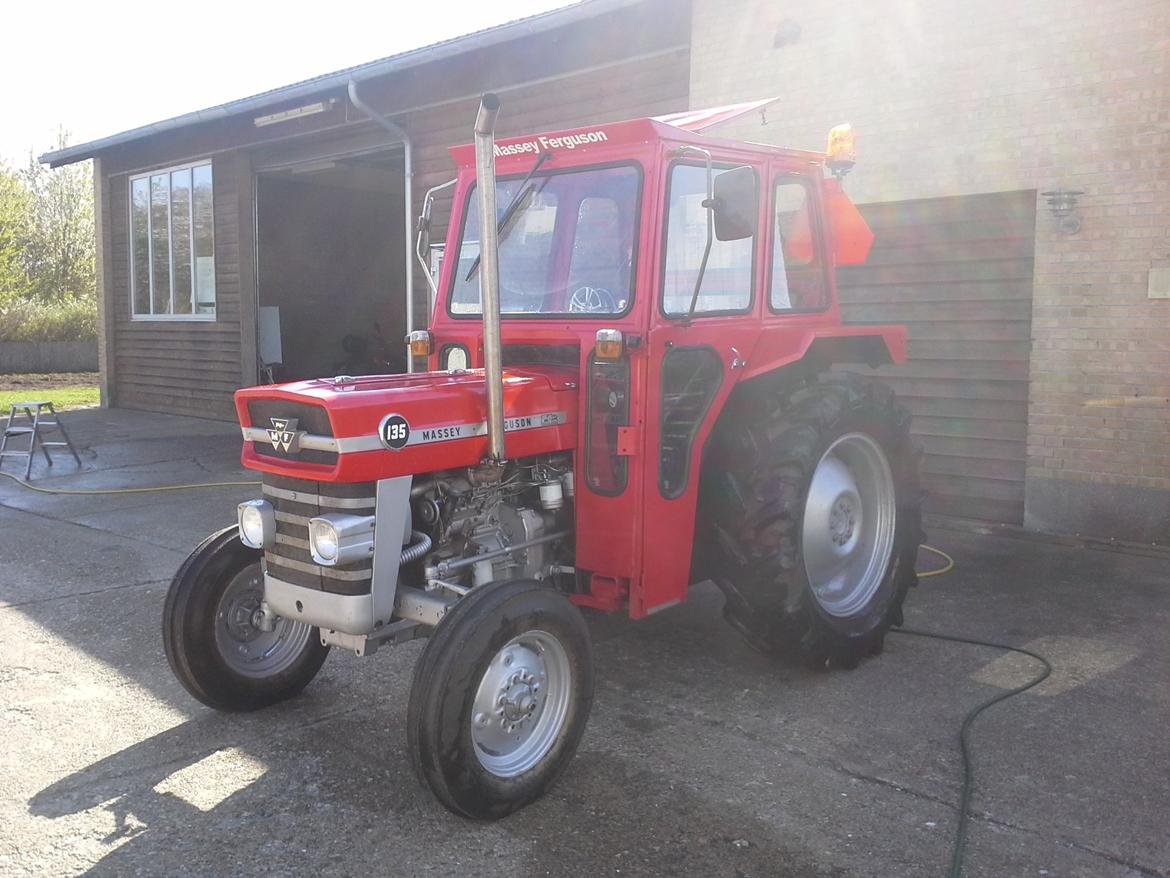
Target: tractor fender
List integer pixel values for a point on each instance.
(823, 347)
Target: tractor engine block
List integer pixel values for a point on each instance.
(486, 509)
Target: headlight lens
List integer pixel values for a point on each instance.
(257, 523)
(323, 539)
(340, 538)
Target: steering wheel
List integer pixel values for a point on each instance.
(592, 300)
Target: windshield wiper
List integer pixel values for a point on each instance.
(512, 210)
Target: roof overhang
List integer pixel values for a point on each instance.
(532, 25)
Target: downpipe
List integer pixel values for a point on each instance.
(489, 270)
(399, 134)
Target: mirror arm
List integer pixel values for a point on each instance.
(424, 228)
(709, 204)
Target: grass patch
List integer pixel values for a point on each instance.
(67, 397)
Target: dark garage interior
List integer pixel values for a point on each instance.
(331, 261)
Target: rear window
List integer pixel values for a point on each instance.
(798, 281)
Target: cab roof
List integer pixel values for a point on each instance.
(681, 128)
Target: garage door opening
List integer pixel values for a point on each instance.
(331, 268)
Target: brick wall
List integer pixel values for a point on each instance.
(951, 97)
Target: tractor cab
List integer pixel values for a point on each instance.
(663, 267)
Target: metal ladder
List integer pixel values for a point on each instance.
(31, 425)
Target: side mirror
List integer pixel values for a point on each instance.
(422, 244)
(736, 204)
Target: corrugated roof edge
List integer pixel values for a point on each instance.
(532, 24)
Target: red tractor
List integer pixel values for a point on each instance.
(629, 392)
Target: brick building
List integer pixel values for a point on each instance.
(965, 113)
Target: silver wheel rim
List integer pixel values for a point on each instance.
(245, 648)
(522, 703)
(848, 534)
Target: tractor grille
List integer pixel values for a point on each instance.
(310, 418)
(289, 559)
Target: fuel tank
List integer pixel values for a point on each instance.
(380, 426)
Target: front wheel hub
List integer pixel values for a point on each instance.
(240, 638)
(521, 704)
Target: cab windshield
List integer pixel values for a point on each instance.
(566, 247)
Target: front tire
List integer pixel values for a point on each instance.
(212, 642)
(813, 506)
(500, 698)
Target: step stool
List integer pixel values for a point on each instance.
(30, 425)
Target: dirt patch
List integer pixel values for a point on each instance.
(40, 381)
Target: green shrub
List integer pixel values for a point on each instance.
(71, 319)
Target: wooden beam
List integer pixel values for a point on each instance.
(104, 278)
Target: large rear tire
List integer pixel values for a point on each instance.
(811, 517)
(500, 698)
(211, 638)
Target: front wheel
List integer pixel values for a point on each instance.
(813, 501)
(500, 698)
(212, 638)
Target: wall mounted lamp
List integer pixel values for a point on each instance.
(1062, 203)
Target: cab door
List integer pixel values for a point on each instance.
(694, 358)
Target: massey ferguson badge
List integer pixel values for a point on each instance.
(548, 143)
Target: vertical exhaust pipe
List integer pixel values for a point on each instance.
(489, 270)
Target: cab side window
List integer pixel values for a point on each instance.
(727, 280)
(798, 277)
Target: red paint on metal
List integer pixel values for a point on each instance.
(427, 400)
(852, 236)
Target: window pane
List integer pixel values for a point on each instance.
(535, 240)
(727, 281)
(160, 243)
(601, 258)
(181, 239)
(140, 243)
(797, 281)
(525, 250)
(204, 240)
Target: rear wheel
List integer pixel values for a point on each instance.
(500, 698)
(812, 508)
(213, 639)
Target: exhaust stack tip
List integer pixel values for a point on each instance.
(489, 108)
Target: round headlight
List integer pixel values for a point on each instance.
(323, 540)
(252, 527)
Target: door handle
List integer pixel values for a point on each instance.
(737, 360)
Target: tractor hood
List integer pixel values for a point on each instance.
(380, 426)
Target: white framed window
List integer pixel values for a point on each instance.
(172, 244)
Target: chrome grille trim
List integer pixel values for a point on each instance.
(328, 572)
(286, 540)
(314, 442)
(321, 499)
(291, 518)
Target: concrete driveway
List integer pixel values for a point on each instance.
(701, 757)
